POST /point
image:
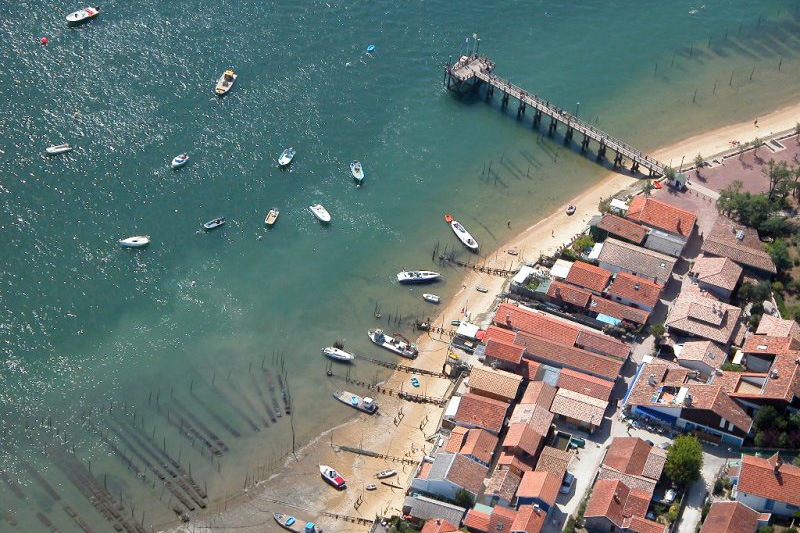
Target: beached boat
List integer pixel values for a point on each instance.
(225, 82)
(332, 477)
(58, 149)
(286, 157)
(360, 403)
(464, 236)
(383, 474)
(570, 210)
(398, 346)
(482, 289)
(417, 276)
(81, 16)
(371, 486)
(272, 216)
(432, 298)
(320, 212)
(293, 524)
(338, 353)
(215, 223)
(135, 242)
(358, 171)
(179, 160)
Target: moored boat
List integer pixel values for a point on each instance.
(338, 353)
(179, 160)
(332, 477)
(225, 82)
(464, 236)
(286, 157)
(58, 149)
(293, 524)
(432, 298)
(358, 171)
(371, 486)
(398, 346)
(320, 212)
(215, 223)
(365, 403)
(272, 216)
(135, 242)
(570, 210)
(82, 15)
(383, 474)
(417, 276)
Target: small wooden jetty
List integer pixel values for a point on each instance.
(473, 70)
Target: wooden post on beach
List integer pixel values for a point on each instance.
(780, 63)
(751, 73)
(730, 83)
(715, 87)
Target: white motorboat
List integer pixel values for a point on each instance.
(358, 171)
(365, 403)
(432, 298)
(337, 353)
(417, 276)
(58, 149)
(80, 16)
(225, 82)
(287, 157)
(272, 216)
(398, 346)
(320, 212)
(383, 474)
(135, 242)
(371, 486)
(464, 236)
(179, 160)
(215, 223)
(332, 477)
(296, 525)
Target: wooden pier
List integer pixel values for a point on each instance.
(472, 71)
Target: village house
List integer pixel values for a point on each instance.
(733, 517)
(769, 485)
(619, 228)
(619, 256)
(495, 384)
(476, 411)
(554, 461)
(704, 356)
(774, 326)
(741, 245)
(448, 474)
(772, 375)
(580, 410)
(614, 506)
(669, 227)
(438, 525)
(701, 317)
(538, 488)
(421, 508)
(634, 291)
(634, 461)
(718, 275)
(501, 488)
(484, 519)
(477, 444)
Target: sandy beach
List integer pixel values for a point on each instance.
(406, 437)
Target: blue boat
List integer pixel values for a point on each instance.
(293, 524)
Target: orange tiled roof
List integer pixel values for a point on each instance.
(630, 455)
(637, 524)
(438, 525)
(730, 517)
(554, 461)
(579, 406)
(568, 293)
(717, 271)
(504, 351)
(503, 484)
(479, 444)
(501, 518)
(588, 276)
(539, 393)
(622, 227)
(529, 520)
(476, 520)
(521, 435)
(508, 460)
(585, 384)
(635, 289)
(541, 485)
(617, 310)
(497, 382)
(778, 327)
(661, 215)
(723, 240)
(478, 411)
(557, 354)
(496, 333)
(529, 369)
(758, 477)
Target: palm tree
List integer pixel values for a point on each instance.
(698, 164)
(757, 143)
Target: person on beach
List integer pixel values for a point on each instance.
(755, 123)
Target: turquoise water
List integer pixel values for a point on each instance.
(92, 331)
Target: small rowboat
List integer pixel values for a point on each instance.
(293, 524)
(180, 160)
(287, 156)
(371, 486)
(81, 16)
(570, 210)
(320, 212)
(358, 171)
(481, 289)
(464, 236)
(58, 149)
(217, 222)
(415, 382)
(225, 82)
(383, 474)
(272, 216)
(332, 477)
(135, 242)
(432, 298)
(448, 218)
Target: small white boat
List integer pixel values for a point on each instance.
(78, 17)
(371, 486)
(417, 276)
(358, 171)
(332, 477)
(383, 474)
(58, 149)
(320, 212)
(432, 298)
(287, 157)
(179, 160)
(225, 82)
(479, 288)
(296, 525)
(272, 216)
(215, 223)
(365, 403)
(464, 236)
(398, 346)
(337, 353)
(135, 242)
(570, 210)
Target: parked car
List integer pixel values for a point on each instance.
(669, 496)
(664, 445)
(566, 485)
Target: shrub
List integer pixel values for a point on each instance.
(765, 529)
(777, 286)
(718, 487)
(657, 330)
(464, 498)
(704, 511)
(684, 460)
(570, 526)
(582, 242)
(672, 514)
(732, 367)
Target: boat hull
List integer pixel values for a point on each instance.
(213, 224)
(224, 86)
(357, 170)
(464, 236)
(320, 213)
(271, 217)
(365, 405)
(179, 161)
(417, 276)
(432, 298)
(79, 17)
(134, 242)
(291, 523)
(58, 149)
(332, 478)
(338, 355)
(387, 342)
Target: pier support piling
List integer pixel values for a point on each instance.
(553, 125)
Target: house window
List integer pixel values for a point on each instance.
(722, 422)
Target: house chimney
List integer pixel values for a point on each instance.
(636, 286)
(687, 401)
(508, 319)
(616, 497)
(651, 380)
(774, 373)
(536, 508)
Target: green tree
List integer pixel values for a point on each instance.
(464, 498)
(684, 460)
(657, 330)
(605, 205)
(757, 143)
(669, 172)
(775, 227)
(755, 293)
(779, 253)
(765, 417)
(781, 178)
(698, 164)
(648, 188)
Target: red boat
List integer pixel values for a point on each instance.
(332, 477)
(448, 218)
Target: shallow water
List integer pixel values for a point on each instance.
(93, 333)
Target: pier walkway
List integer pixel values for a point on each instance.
(470, 72)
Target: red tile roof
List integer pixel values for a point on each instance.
(621, 227)
(521, 435)
(529, 369)
(501, 518)
(618, 310)
(730, 517)
(478, 411)
(479, 444)
(504, 351)
(585, 384)
(539, 393)
(628, 455)
(529, 520)
(554, 461)
(490, 382)
(522, 464)
(438, 525)
(778, 327)
(568, 293)
(588, 276)
(608, 499)
(637, 524)
(476, 520)
(503, 484)
(496, 333)
(602, 344)
(466, 473)
(635, 289)
(661, 215)
(560, 355)
(758, 477)
(738, 243)
(541, 485)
